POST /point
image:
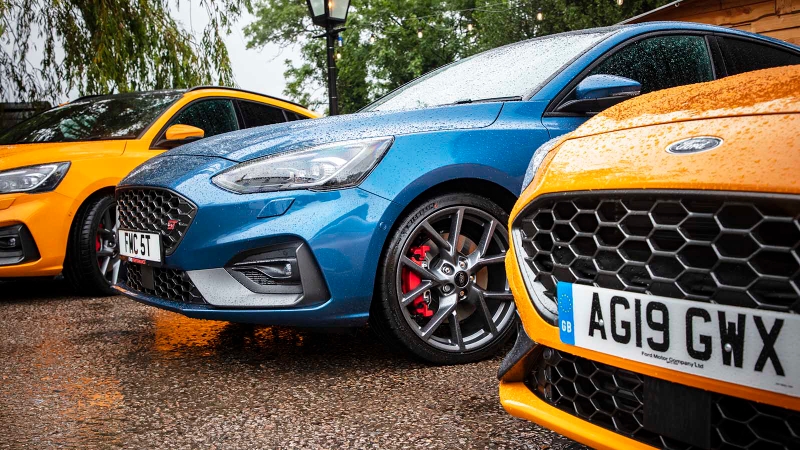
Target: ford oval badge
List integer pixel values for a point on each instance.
(694, 145)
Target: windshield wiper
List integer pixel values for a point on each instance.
(515, 98)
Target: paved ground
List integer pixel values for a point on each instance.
(109, 372)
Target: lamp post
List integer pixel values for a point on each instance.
(328, 14)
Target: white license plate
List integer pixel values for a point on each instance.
(749, 347)
(135, 244)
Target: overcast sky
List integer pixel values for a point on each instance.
(254, 70)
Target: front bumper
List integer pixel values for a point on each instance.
(342, 231)
(322, 315)
(47, 217)
(608, 407)
(520, 401)
(602, 400)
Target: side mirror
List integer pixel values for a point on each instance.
(598, 92)
(177, 135)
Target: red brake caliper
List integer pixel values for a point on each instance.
(97, 240)
(411, 280)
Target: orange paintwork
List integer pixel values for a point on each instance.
(96, 165)
(178, 132)
(769, 91)
(758, 117)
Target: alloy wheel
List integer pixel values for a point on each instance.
(451, 279)
(106, 248)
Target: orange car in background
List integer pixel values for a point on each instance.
(58, 171)
(655, 266)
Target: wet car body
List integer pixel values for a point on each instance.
(98, 140)
(480, 147)
(700, 186)
(344, 227)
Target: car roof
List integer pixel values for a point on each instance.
(655, 26)
(181, 92)
(695, 26)
(244, 91)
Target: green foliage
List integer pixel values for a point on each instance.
(109, 46)
(368, 70)
(516, 20)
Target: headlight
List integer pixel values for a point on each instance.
(329, 166)
(41, 178)
(536, 161)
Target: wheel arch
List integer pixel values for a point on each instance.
(477, 186)
(97, 191)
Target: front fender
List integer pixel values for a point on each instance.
(417, 162)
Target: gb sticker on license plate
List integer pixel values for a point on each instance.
(566, 322)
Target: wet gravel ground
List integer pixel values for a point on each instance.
(110, 372)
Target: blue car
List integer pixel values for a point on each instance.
(396, 215)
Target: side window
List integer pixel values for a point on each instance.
(661, 62)
(292, 116)
(215, 116)
(256, 114)
(745, 56)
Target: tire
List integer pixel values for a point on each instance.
(92, 244)
(462, 280)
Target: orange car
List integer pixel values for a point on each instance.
(656, 269)
(59, 168)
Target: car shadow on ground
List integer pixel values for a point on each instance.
(26, 289)
(282, 348)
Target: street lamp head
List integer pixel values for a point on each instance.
(323, 12)
(337, 10)
(316, 8)
(328, 14)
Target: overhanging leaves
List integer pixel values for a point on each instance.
(109, 46)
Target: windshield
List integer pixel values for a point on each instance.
(506, 72)
(122, 116)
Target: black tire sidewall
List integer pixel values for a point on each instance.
(81, 268)
(394, 321)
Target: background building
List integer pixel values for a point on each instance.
(777, 18)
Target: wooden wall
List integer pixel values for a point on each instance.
(776, 18)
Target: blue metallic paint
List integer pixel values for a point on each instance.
(257, 142)
(347, 229)
(275, 207)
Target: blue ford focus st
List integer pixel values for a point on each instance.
(397, 215)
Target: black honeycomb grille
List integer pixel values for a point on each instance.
(151, 210)
(732, 249)
(613, 398)
(169, 284)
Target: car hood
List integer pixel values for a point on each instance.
(252, 143)
(769, 91)
(20, 155)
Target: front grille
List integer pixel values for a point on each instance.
(169, 284)
(727, 248)
(613, 398)
(156, 211)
